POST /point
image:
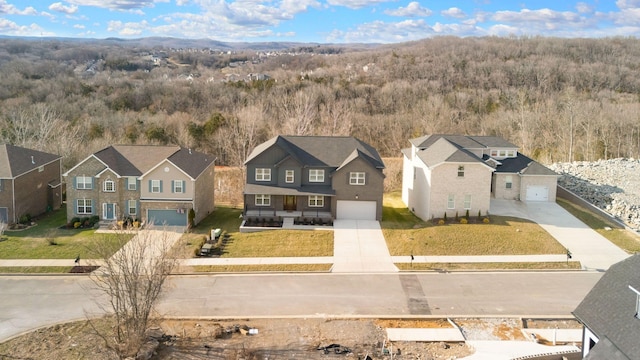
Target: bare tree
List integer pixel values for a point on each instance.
(132, 280)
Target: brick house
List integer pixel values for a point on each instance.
(30, 182)
(154, 184)
(458, 173)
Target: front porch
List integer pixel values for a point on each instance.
(271, 219)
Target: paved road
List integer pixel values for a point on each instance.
(29, 302)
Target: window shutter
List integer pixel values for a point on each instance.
(160, 185)
(92, 183)
(172, 186)
(149, 185)
(75, 183)
(126, 183)
(184, 186)
(75, 201)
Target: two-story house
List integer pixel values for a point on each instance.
(337, 175)
(30, 183)
(457, 173)
(154, 184)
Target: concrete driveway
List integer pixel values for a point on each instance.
(593, 250)
(359, 246)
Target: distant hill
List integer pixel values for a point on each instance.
(170, 42)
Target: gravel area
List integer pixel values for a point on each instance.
(612, 185)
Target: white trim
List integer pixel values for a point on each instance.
(316, 198)
(357, 178)
(316, 176)
(83, 161)
(286, 175)
(105, 170)
(167, 161)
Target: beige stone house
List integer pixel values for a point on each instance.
(454, 174)
(153, 184)
(30, 183)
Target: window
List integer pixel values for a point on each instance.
(132, 183)
(451, 201)
(316, 175)
(511, 153)
(460, 171)
(356, 178)
(508, 182)
(84, 183)
(494, 153)
(263, 200)
(1, 185)
(289, 176)
(133, 207)
(84, 206)
(316, 201)
(155, 186)
(467, 202)
(178, 186)
(502, 153)
(109, 186)
(263, 174)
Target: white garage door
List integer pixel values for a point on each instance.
(537, 193)
(356, 210)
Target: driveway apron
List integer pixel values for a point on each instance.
(594, 251)
(359, 247)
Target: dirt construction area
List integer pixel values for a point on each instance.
(264, 339)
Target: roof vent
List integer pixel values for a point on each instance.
(189, 151)
(33, 161)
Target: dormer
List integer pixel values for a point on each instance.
(503, 153)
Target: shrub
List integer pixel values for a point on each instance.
(485, 220)
(479, 215)
(457, 217)
(77, 224)
(464, 221)
(445, 216)
(191, 217)
(466, 215)
(441, 222)
(25, 219)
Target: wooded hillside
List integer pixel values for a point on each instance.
(558, 99)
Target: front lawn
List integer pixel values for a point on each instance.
(46, 240)
(406, 234)
(270, 243)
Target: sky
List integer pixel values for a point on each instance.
(318, 21)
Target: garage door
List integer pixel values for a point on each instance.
(356, 210)
(167, 217)
(537, 193)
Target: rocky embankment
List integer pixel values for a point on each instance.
(612, 185)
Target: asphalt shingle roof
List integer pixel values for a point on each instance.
(609, 311)
(135, 160)
(329, 151)
(15, 160)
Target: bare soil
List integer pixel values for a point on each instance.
(276, 339)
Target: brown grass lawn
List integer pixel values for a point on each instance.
(406, 234)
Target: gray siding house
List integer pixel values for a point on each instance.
(340, 177)
(153, 184)
(610, 314)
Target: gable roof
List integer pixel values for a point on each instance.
(609, 310)
(15, 160)
(521, 164)
(135, 160)
(443, 150)
(321, 151)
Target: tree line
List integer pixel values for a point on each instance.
(557, 99)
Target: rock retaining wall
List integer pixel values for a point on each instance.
(612, 185)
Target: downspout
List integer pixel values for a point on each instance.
(13, 199)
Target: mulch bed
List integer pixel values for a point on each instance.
(83, 269)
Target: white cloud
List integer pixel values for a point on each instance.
(10, 9)
(408, 30)
(10, 28)
(454, 12)
(115, 4)
(78, 26)
(413, 9)
(584, 8)
(127, 29)
(543, 20)
(59, 7)
(355, 4)
(298, 6)
(627, 4)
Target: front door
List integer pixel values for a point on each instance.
(290, 202)
(109, 211)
